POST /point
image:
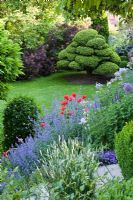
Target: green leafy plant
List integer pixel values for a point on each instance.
(89, 51)
(100, 23)
(105, 122)
(69, 170)
(10, 62)
(124, 150)
(18, 120)
(116, 189)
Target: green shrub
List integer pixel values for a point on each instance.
(116, 190)
(96, 43)
(90, 51)
(123, 63)
(124, 58)
(82, 37)
(70, 49)
(62, 55)
(10, 62)
(63, 64)
(3, 91)
(105, 122)
(74, 65)
(74, 44)
(92, 61)
(69, 171)
(107, 67)
(124, 150)
(115, 58)
(71, 56)
(18, 120)
(84, 51)
(104, 52)
(101, 25)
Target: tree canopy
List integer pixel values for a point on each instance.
(83, 7)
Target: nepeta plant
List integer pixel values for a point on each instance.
(47, 129)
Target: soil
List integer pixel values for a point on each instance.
(84, 79)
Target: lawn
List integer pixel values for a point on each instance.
(45, 89)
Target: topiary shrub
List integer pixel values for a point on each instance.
(18, 120)
(116, 190)
(10, 62)
(91, 53)
(124, 150)
(42, 60)
(105, 122)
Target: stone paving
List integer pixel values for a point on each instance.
(108, 172)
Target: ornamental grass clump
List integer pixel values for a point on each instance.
(89, 51)
(68, 168)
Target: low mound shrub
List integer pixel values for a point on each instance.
(18, 120)
(116, 189)
(124, 150)
(89, 51)
(105, 122)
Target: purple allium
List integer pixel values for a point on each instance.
(107, 157)
(128, 87)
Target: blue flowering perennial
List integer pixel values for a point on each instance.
(107, 158)
(128, 87)
(26, 155)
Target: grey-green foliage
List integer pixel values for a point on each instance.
(89, 51)
(69, 171)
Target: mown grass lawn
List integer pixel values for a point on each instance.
(45, 89)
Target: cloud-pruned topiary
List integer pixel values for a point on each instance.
(89, 51)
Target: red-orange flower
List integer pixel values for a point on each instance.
(74, 94)
(64, 103)
(42, 124)
(62, 112)
(66, 97)
(79, 100)
(63, 108)
(70, 98)
(5, 154)
(84, 97)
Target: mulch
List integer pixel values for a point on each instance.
(84, 79)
